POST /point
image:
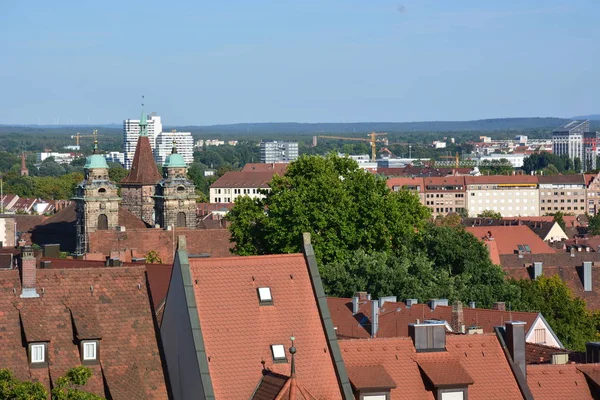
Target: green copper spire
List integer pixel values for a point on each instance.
(143, 121)
(95, 160)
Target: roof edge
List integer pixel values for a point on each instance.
(332, 341)
(181, 257)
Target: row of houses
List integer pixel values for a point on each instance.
(14, 204)
(509, 195)
(261, 327)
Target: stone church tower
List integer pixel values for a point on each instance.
(175, 195)
(138, 188)
(97, 202)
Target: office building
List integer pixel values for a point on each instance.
(590, 150)
(278, 152)
(164, 144)
(568, 139)
(131, 132)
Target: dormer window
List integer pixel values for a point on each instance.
(278, 352)
(89, 350)
(264, 296)
(37, 353)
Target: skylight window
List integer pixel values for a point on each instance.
(37, 353)
(278, 352)
(89, 350)
(264, 296)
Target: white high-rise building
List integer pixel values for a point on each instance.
(568, 139)
(131, 132)
(164, 146)
(278, 152)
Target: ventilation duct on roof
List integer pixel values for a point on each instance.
(587, 276)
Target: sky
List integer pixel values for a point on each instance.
(233, 61)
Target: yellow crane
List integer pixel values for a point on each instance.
(456, 159)
(77, 136)
(371, 139)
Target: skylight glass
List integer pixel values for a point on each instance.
(264, 294)
(278, 352)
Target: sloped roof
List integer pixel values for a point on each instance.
(26, 223)
(371, 377)
(120, 305)
(501, 179)
(559, 382)
(211, 242)
(242, 179)
(578, 179)
(394, 317)
(238, 332)
(143, 168)
(481, 357)
(443, 370)
(445, 181)
(568, 268)
(406, 181)
(279, 168)
(509, 237)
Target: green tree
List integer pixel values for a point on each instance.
(566, 314)
(577, 166)
(490, 214)
(116, 172)
(342, 206)
(594, 224)
(558, 218)
(67, 387)
(451, 219)
(153, 257)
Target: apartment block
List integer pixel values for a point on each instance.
(445, 195)
(568, 139)
(278, 152)
(564, 193)
(512, 196)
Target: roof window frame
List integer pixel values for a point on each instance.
(265, 296)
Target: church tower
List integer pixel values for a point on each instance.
(24, 170)
(175, 195)
(139, 186)
(97, 202)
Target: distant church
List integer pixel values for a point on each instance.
(159, 201)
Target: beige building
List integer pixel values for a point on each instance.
(564, 193)
(511, 196)
(592, 182)
(239, 183)
(445, 195)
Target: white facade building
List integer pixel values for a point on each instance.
(364, 161)
(568, 139)
(511, 196)
(516, 160)
(61, 158)
(115, 156)
(131, 132)
(164, 144)
(278, 152)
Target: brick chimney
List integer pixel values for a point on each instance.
(28, 273)
(458, 320)
(499, 305)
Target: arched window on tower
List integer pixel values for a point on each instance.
(181, 220)
(102, 222)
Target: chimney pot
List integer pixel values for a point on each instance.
(458, 321)
(499, 305)
(374, 317)
(355, 302)
(472, 304)
(362, 296)
(537, 269)
(28, 273)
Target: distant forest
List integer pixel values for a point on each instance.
(37, 138)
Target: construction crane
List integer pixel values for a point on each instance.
(372, 139)
(77, 136)
(456, 159)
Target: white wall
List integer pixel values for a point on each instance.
(539, 324)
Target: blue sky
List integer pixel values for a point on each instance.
(201, 62)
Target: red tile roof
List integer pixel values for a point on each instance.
(213, 242)
(558, 382)
(403, 182)
(500, 179)
(143, 168)
(118, 309)
(242, 179)
(508, 238)
(443, 370)
(279, 168)
(394, 318)
(238, 332)
(370, 377)
(481, 357)
(446, 181)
